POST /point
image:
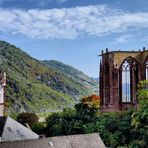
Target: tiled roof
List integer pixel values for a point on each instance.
(12, 130)
(74, 141)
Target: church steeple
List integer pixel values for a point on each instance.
(2, 93)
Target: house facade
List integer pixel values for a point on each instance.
(120, 72)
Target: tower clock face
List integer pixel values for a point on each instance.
(1, 94)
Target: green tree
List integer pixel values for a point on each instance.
(140, 117)
(39, 128)
(74, 121)
(54, 124)
(88, 108)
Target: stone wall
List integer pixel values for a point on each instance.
(111, 81)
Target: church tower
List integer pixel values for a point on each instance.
(2, 93)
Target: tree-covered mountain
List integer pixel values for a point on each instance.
(33, 86)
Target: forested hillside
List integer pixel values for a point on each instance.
(74, 74)
(33, 86)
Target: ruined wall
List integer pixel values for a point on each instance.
(110, 78)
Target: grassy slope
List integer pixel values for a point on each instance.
(33, 86)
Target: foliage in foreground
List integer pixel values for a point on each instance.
(139, 120)
(117, 129)
(27, 118)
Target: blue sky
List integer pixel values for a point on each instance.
(74, 31)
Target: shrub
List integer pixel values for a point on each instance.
(27, 118)
(39, 128)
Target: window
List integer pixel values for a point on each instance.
(126, 81)
(146, 69)
(21, 134)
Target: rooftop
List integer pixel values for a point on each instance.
(73, 141)
(12, 130)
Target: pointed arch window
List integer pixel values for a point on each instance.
(146, 69)
(126, 81)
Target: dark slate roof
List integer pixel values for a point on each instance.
(73, 141)
(12, 130)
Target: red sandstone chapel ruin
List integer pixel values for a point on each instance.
(120, 72)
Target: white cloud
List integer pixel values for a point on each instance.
(123, 38)
(70, 23)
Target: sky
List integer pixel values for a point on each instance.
(74, 31)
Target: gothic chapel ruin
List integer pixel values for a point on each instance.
(120, 72)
